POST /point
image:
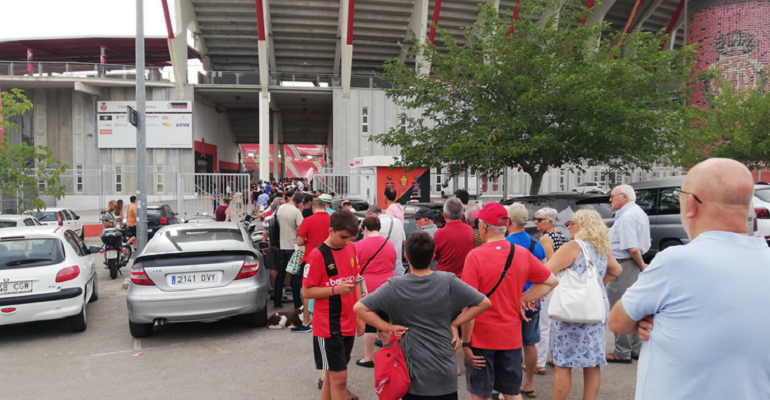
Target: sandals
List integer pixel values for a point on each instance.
(612, 359)
(531, 394)
(351, 396)
(540, 371)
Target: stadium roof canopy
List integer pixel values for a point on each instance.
(120, 50)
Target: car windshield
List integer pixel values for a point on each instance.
(204, 239)
(45, 216)
(604, 209)
(24, 253)
(7, 224)
(763, 194)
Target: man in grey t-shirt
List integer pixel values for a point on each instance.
(289, 219)
(430, 305)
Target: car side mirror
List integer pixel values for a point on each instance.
(94, 249)
(263, 245)
(77, 217)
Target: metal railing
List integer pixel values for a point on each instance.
(158, 74)
(79, 70)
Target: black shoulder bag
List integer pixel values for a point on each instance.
(505, 270)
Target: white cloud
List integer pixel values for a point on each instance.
(37, 19)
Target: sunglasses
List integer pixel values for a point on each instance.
(538, 220)
(568, 223)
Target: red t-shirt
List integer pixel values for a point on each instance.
(381, 267)
(499, 328)
(332, 315)
(315, 230)
(453, 243)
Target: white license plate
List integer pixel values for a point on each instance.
(15, 287)
(197, 278)
(112, 254)
(149, 231)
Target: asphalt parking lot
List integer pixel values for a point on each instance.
(220, 360)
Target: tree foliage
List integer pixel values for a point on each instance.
(737, 125)
(547, 96)
(26, 171)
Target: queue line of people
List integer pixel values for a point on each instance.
(494, 303)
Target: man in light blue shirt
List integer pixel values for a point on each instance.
(262, 200)
(630, 239)
(530, 330)
(708, 299)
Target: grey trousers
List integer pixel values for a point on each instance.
(625, 345)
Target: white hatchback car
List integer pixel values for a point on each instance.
(46, 273)
(17, 221)
(63, 217)
(591, 187)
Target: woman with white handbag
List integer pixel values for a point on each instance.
(579, 305)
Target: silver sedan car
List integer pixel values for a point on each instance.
(197, 272)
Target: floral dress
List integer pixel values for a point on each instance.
(581, 345)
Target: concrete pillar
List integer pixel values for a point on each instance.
(733, 36)
(277, 127)
(264, 136)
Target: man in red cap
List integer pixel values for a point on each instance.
(492, 343)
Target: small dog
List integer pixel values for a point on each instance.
(285, 319)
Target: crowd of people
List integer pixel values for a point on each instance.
(482, 286)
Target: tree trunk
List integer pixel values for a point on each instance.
(537, 179)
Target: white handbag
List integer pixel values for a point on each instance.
(578, 299)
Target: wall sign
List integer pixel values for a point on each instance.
(168, 125)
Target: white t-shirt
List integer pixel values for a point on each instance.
(397, 237)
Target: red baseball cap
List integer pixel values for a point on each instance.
(494, 214)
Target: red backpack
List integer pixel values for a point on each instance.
(391, 375)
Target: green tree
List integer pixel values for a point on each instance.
(544, 96)
(26, 171)
(735, 125)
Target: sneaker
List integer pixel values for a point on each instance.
(302, 329)
(377, 342)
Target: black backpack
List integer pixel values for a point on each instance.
(274, 231)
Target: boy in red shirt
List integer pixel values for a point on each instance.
(331, 278)
(492, 343)
(312, 232)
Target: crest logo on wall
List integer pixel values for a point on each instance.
(737, 63)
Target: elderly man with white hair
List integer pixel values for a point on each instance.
(630, 239)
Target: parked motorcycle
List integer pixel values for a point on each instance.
(116, 252)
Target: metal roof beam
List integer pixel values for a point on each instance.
(647, 14)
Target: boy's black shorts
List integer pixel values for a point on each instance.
(333, 354)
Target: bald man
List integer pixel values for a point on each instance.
(708, 299)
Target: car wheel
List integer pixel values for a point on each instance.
(95, 290)
(259, 318)
(79, 322)
(140, 330)
(669, 243)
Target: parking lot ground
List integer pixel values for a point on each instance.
(219, 360)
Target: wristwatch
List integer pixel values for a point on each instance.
(466, 344)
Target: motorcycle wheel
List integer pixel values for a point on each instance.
(113, 264)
